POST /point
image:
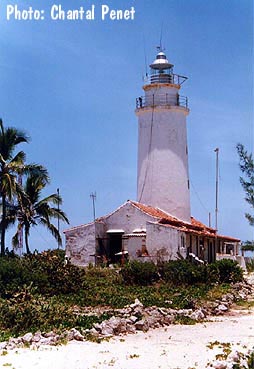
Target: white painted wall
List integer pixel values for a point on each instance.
(163, 157)
(127, 218)
(80, 244)
(133, 244)
(164, 240)
(161, 94)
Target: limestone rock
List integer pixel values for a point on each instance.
(77, 335)
(197, 315)
(137, 303)
(37, 337)
(27, 338)
(45, 341)
(3, 345)
(49, 334)
(142, 325)
(220, 365)
(222, 308)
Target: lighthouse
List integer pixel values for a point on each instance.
(163, 174)
(157, 226)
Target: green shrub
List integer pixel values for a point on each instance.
(13, 275)
(250, 265)
(21, 315)
(46, 271)
(185, 320)
(251, 360)
(225, 271)
(182, 272)
(138, 273)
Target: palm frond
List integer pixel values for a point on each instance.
(37, 170)
(18, 160)
(54, 199)
(15, 240)
(53, 230)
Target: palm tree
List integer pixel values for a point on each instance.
(10, 165)
(31, 210)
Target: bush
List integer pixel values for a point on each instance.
(250, 265)
(182, 272)
(225, 271)
(13, 275)
(22, 315)
(138, 273)
(50, 274)
(46, 272)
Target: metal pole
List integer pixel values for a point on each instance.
(58, 220)
(217, 188)
(93, 197)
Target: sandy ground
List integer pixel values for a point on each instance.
(176, 346)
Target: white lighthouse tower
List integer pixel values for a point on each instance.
(163, 175)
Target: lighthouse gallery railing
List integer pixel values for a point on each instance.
(161, 100)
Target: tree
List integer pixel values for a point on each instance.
(31, 210)
(247, 246)
(10, 165)
(247, 182)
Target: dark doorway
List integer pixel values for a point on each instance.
(114, 246)
(211, 252)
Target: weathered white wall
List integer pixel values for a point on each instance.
(82, 241)
(165, 241)
(161, 94)
(80, 244)
(100, 229)
(133, 244)
(163, 157)
(127, 218)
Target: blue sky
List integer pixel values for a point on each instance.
(71, 85)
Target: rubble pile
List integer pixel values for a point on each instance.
(133, 318)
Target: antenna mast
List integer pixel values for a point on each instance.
(93, 197)
(217, 188)
(145, 55)
(161, 37)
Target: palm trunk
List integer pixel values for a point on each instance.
(26, 240)
(3, 222)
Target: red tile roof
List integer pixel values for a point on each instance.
(194, 227)
(154, 212)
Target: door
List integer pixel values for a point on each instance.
(114, 247)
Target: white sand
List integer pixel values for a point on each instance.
(176, 346)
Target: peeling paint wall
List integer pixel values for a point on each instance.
(164, 242)
(80, 244)
(133, 244)
(128, 218)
